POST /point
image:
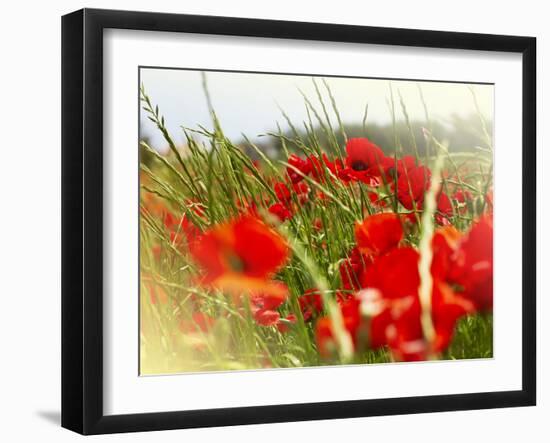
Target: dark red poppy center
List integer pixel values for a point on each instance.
(359, 165)
(392, 172)
(235, 263)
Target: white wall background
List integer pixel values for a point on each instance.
(30, 219)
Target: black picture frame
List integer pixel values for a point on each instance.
(82, 220)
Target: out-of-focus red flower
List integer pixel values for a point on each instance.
(345, 174)
(360, 176)
(303, 166)
(461, 198)
(180, 230)
(254, 168)
(263, 307)
(302, 192)
(247, 208)
(404, 164)
(324, 333)
(335, 167)
(412, 185)
(156, 250)
(447, 308)
(444, 209)
(351, 316)
(318, 167)
(286, 323)
(282, 192)
(266, 317)
(393, 168)
(311, 304)
(394, 274)
(396, 321)
(267, 301)
(444, 244)
(343, 297)
(352, 268)
(157, 294)
(280, 211)
(376, 200)
(241, 255)
(473, 264)
(318, 224)
(378, 233)
(199, 322)
(326, 344)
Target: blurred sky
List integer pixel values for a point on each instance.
(248, 103)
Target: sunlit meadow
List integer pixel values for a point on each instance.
(321, 241)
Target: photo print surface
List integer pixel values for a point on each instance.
(291, 221)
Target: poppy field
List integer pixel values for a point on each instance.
(326, 247)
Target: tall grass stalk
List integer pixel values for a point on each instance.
(426, 251)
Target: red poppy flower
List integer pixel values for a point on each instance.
(405, 163)
(156, 250)
(364, 155)
(334, 167)
(286, 323)
(247, 207)
(461, 198)
(444, 244)
(345, 174)
(376, 200)
(318, 166)
(394, 274)
(280, 211)
(311, 304)
(447, 308)
(241, 255)
(180, 230)
(352, 268)
(266, 317)
(473, 265)
(366, 177)
(263, 307)
(318, 224)
(303, 166)
(326, 344)
(393, 283)
(254, 169)
(284, 194)
(444, 209)
(302, 192)
(156, 291)
(412, 185)
(267, 301)
(342, 297)
(396, 320)
(403, 334)
(199, 322)
(378, 233)
(324, 334)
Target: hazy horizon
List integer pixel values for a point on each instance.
(248, 103)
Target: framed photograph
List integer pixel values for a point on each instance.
(270, 221)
